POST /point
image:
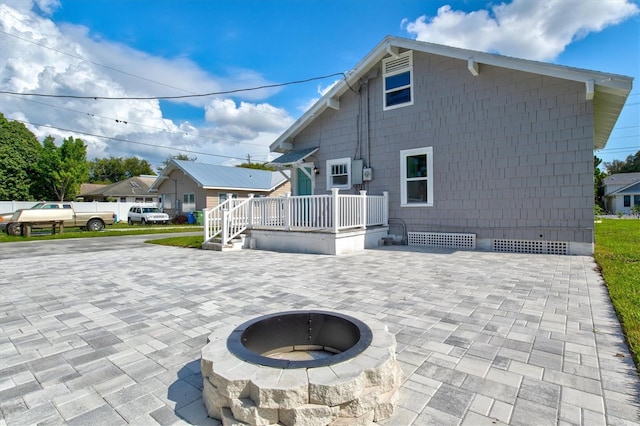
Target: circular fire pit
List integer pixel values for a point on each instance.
(301, 368)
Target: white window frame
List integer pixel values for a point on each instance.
(393, 66)
(187, 206)
(334, 169)
(404, 202)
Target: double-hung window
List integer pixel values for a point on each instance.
(189, 202)
(398, 80)
(416, 177)
(339, 173)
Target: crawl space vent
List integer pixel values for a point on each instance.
(442, 239)
(535, 247)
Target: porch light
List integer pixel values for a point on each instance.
(316, 171)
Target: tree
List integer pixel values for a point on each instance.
(115, 169)
(598, 184)
(63, 169)
(257, 166)
(630, 165)
(183, 157)
(19, 152)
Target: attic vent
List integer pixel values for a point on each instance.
(134, 184)
(442, 239)
(535, 247)
(396, 64)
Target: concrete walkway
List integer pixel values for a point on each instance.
(108, 331)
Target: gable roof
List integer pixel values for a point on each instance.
(625, 183)
(608, 91)
(136, 185)
(210, 176)
(622, 178)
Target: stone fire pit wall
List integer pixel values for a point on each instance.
(360, 390)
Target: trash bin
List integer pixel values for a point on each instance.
(199, 218)
(191, 219)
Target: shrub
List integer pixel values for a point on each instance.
(179, 220)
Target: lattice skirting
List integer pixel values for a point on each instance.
(527, 246)
(442, 239)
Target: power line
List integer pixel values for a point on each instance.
(93, 62)
(149, 98)
(121, 121)
(129, 141)
(120, 71)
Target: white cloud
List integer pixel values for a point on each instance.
(538, 30)
(253, 117)
(39, 56)
(322, 90)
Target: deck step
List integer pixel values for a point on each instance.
(215, 244)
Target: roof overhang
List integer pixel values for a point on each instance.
(292, 158)
(609, 92)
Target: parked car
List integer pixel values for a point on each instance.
(144, 215)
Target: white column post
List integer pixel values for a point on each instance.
(287, 211)
(385, 206)
(207, 231)
(224, 235)
(336, 209)
(250, 212)
(363, 208)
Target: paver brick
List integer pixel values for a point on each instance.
(131, 334)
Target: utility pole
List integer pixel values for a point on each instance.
(249, 158)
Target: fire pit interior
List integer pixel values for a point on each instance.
(300, 339)
(306, 367)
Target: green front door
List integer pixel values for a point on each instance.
(304, 182)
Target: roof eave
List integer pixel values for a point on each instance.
(614, 87)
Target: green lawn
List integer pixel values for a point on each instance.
(118, 229)
(617, 251)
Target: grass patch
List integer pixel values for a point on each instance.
(187, 241)
(116, 230)
(617, 252)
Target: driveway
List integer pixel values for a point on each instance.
(109, 330)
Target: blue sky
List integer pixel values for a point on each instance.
(161, 47)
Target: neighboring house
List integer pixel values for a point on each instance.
(135, 189)
(474, 149)
(622, 192)
(197, 186)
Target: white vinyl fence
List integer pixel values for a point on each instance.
(118, 208)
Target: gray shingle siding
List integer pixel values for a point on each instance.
(513, 151)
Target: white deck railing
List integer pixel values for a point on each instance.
(329, 213)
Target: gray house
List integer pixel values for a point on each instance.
(622, 192)
(475, 150)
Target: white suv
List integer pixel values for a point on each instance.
(146, 215)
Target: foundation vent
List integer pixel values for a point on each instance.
(442, 239)
(535, 247)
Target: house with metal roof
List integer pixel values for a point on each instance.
(186, 186)
(475, 150)
(622, 192)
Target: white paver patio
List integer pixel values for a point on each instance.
(104, 334)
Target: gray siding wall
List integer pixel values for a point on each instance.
(513, 151)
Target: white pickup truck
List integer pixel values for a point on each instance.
(52, 214)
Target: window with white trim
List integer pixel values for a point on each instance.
(339, 173)
(398, 81)
(189, 202)
(416, 177)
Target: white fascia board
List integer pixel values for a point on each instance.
(615, 82)
(608, 83)
(351, 77)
